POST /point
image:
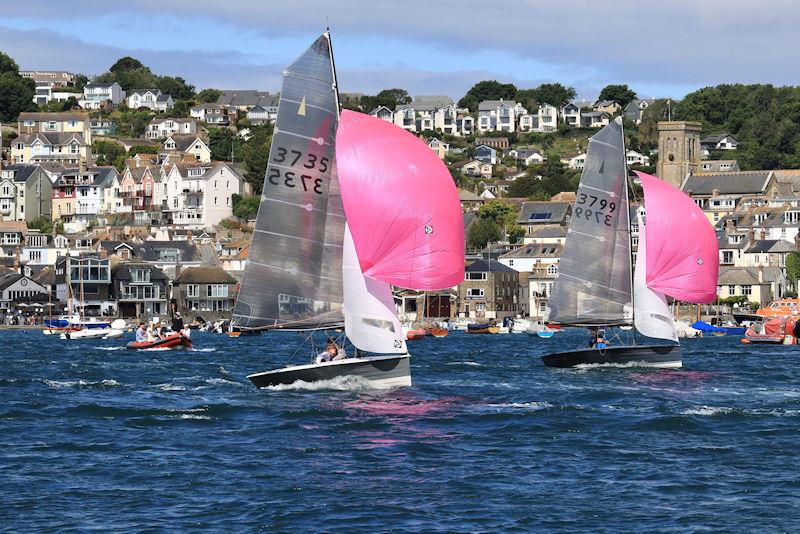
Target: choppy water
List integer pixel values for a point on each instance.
(486, 440)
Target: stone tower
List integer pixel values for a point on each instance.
(678, 150)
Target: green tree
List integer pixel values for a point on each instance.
(621, 93)
(390, 98)
(180, 109)
(500, 211)
(221, 143)
(143, 149)
(793, 268)
(246, 207)
(107, 151)
(487, 90)
(80, 82)
(16, 92)
(550, 93)
(175, 86)
(208, 95)
(126, 64)
(42, 223)
(482, 232)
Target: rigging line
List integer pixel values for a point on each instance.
(310, 105)
(306, 77)
(593, 140)
(593, 283)
(303, 206)
(319, 140)
(298, 237)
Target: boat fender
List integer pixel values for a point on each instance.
(601, 345)
(745, 340)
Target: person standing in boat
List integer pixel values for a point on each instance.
(141, 333)
(177, 323)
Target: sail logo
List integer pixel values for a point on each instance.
(302, 109)
(428, 229)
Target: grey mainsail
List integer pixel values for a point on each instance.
(593, 286)
(293, 277)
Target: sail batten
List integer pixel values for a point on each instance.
(593, 286)
(293, 276)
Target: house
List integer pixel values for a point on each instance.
(486, 154)
(383, 113)
(41, 249)
(489, 291)
(533, 216)
(537, 264)
(179, 147)
(137, 191)
(118, 251)
(494, 142)
(571, 115)
(719, 165)
(758, 284)
(89, 276)
(12, 237)
(233, 257)
(545, 120)
(499, 115)
(440, 148)
(718, 142)
(153, 99)
(595, 119)
(216, 114)
(634, 110)
(575, 161)
(63, 137)
(721, 194)
(607, 106)
(527, 156)
(51, 93)
(96, 95)
(200, 196)
(161, 128)
(25, 192)
(262, 114)
(635, 158)
(78, 195)
(208, 292)
(477, 168)
(470, 202)
(141, 290)
(245, 100)
(418, 116)
(16, 288)
(101, 126)
(59, 78)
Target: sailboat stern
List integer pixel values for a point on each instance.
(659, 356)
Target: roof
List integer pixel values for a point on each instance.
(150, 251)
(51, 138)
(606, 103)
(46, 116)
(469, 218)
(9, 279)
(770, 245)
(727, 183)
(21, 171)
(204, 275)
(143, 91)
(548, 231)
(184, 141)
(122, 271)
(484, 266)
(543, 212)
(13, 226)
(465, 195)
(714, 139)
(248, 98)
(489, 105)
(536, 250)
(100, 84)
(747, 275)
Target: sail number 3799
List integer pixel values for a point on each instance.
(592, 207)
(291, 178)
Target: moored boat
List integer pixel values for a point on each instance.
(439, 332)
(777, 330)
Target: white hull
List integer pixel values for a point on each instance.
(379, 371)
(93, 333)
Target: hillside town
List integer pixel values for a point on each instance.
(157, 228)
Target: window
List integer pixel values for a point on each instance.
(217, 290)
(35, 255)
(192, 290)
(475, 292)
(747, 290)
(552, 269)
(140, 276)
(476, 276)
(727, 256)
(540, 216)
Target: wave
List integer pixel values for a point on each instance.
(81, 383)
(110, 349)
(533, 405)
(473, 364)
(169, 387)
(340, 383)
(204, 349)
(709, 410)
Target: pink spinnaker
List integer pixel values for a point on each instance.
(401, 204)
(682, 251)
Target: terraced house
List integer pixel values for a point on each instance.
(52, 137)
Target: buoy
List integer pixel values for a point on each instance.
(745, 340)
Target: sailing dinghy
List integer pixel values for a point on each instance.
(313, 268)
(677, 256)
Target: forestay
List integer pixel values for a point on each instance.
(593, 286)
(370, 319)
(652, 317)
(293, 273)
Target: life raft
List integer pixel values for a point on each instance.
(171, 341)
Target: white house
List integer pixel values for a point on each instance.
(635, 158)
(576, 161)
(48, 93)
(439, 147)
(200, 196)
(544, 120)
(149, 98)
(212, 113)
(181, 147)
(160, 128)
(571, 115)
(499, 115)
(262, 114)
(477, 168)
(97, 94)
(383, 113)
(527, 157)
(595, 119)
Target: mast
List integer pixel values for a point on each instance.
(333, 69)
(625, 192)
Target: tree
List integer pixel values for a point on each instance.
(42, 223)
(793, 268)
(107, 151)
(246, 207)
(208, 95)
(390, 98)
(487, 90)
(80, 82)
(221, 143)
(482, 232)
(175, 86)
(125, 64)
(142, 149)
(550, 93)
(621, 93)
(16, 92)
(501, 212)
(524, 186)
(179, 109)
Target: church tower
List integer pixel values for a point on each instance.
(678, 150)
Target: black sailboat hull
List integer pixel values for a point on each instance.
(641, 355)
(381, 371)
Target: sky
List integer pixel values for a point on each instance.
(660, 49)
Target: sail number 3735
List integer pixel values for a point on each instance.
(291, 178)
(591, 207)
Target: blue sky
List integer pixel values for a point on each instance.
(441, 48)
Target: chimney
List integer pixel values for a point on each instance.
(17, 266)
(82, 166)
(762, 234)
(729, 226)
(189, 237)
(797, 242)
(751, 235)
(103, 253)
(760, 274)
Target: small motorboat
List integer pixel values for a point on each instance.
(482, 328)
(707, 328)
(439, 332)
(778, 330)
(545, 334)
(172, 341)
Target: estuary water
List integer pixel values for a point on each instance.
(93, 436)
